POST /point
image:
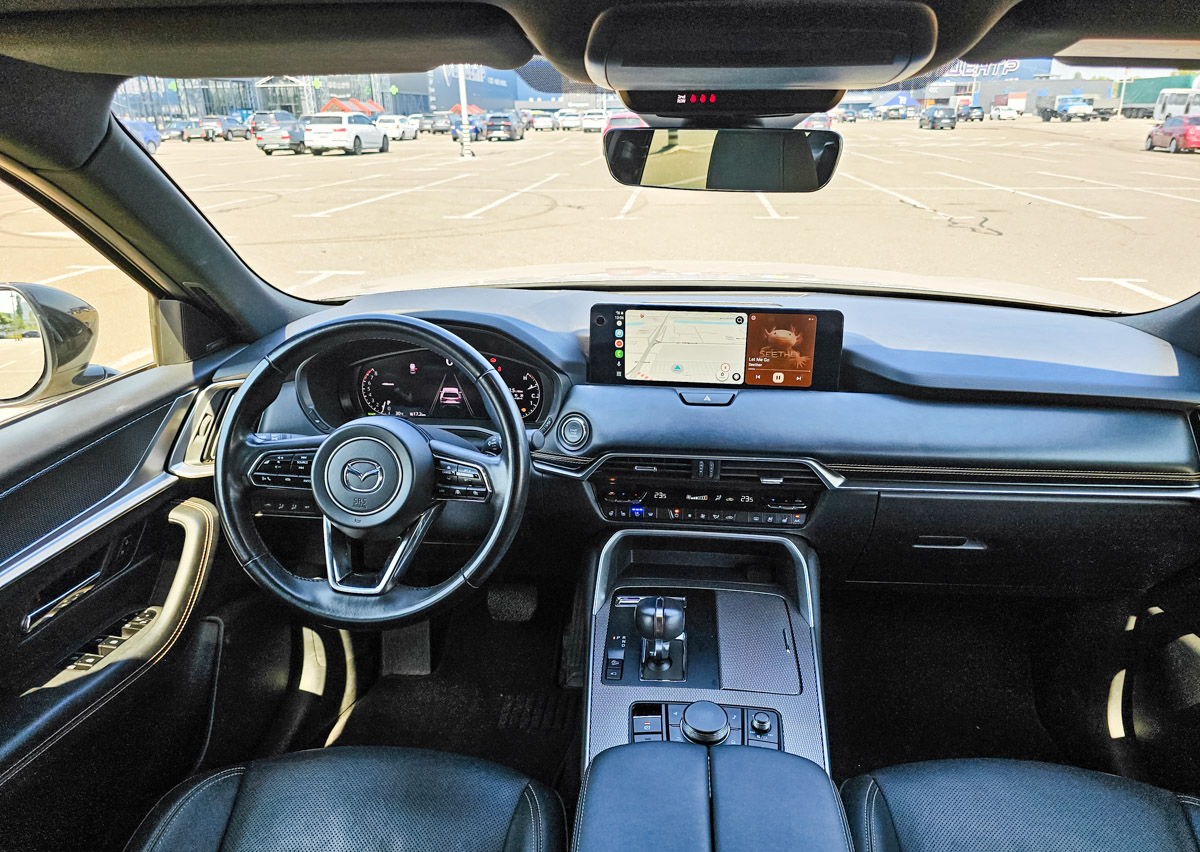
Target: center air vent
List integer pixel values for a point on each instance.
(785, 473)
(647, 467)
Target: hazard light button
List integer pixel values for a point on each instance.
(700, 397)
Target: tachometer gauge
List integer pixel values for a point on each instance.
(382, 394)
(526, 390)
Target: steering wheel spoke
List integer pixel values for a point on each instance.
(465, 474)
(345, 565)
(276, 462)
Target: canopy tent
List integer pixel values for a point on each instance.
(471, 109)
(901, 99)
(368, 107)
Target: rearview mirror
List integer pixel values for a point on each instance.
(49, 337)
(743, 160)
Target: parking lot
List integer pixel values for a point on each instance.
(1076, 213)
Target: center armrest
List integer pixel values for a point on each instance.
(678, 796)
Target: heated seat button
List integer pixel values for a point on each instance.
(647, 724)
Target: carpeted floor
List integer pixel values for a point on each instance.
(493, 694)
(922, 677)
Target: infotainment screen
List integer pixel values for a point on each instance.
(710, 346)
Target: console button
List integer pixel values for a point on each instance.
(705, 723)
(764, 727)
(647, 724)
(675, 713)
(614, 670)
(750, 741)
(647, 738)
(706, 397)
(573, 431)
(735, 716)
(675, 734)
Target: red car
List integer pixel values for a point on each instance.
(623, 119)
(1178, 134)
(816, 121)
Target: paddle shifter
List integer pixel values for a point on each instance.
(660, 621)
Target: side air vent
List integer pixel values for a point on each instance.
(647, 467)
(195, 452)
(774, 473)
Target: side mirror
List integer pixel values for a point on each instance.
(50, 336)
(741, 160)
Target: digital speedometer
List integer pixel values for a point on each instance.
(420, 383)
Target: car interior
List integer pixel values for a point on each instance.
(482, 568)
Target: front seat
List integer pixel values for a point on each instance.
(356, 799)
(1014, 806)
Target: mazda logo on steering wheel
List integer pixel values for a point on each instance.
(363, 476)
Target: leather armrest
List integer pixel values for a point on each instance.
(645, 796)
(765, 799)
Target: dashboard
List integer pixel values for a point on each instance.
(962, 444)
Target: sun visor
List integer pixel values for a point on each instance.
(761, 47)
(347, 38)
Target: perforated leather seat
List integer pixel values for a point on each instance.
(1014, 806)
(373, 799)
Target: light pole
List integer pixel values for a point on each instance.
(464, 128)
(1121, 100)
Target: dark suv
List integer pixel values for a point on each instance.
(504, 125)
(970, 113)
(265, 118)
(935, 118)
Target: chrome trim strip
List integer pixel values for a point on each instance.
(600, 597)
(178, 463)
(147, 481)
(828, 478)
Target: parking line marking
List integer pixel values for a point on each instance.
(592, 160)
(939, 156)
(531, 159)
(319, 275)
(1101, 213)
(240, 182)
(1178, 177)
(1020, 156)
(474, 214)
(58, 235)
(1128, 284)
(335, 183)
(906, 199)
(224, 204)
(633, 197)
(869, 157)
(324, 214)
(7, 364)
(1121, 186)
(79, 270)
(772, 213)
(130, 359)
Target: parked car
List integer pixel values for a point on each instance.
(398, 127)
(848, 117)
(937, 118)
(969, 113)
(593, 121)
(569, 119)
(440, 122)
(503, 125)
(816, 121)
(526, 117)
(281, 136)
(894, 113)
(1003, 113)
(544, 121)
(421, 120)
(351, 132)
(624, 119)
(1178, 135)
(265, 118)
(146, 133)
(177, 129)
(224, 127)
(476, 123)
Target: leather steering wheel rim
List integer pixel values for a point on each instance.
(317, 596)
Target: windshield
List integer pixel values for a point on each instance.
(1085, 209)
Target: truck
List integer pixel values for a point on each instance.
(1142, 96)
(1072, 107)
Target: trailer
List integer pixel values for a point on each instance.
(1141, 97)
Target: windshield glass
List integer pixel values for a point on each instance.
(1062, 192)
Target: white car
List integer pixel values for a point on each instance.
(569, 119)
(544, 121)
(593, 121)
(1003, 113)
(398, 127)
(351, 132)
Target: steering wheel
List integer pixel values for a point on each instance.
(374, 479)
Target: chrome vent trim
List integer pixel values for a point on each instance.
(195, 451)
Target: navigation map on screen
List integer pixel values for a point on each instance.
(701, 347)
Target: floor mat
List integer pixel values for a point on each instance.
(922, 677)
(493, 694)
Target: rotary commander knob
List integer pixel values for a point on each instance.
(705, 723)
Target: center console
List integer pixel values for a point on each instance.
(707, 638)
(704, 672)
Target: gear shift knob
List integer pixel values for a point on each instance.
(658, 617)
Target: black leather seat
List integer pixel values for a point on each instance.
(1014, 806)
(372, 799)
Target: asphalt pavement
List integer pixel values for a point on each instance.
(1074, 213)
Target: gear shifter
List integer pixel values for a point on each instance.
(660, 621)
